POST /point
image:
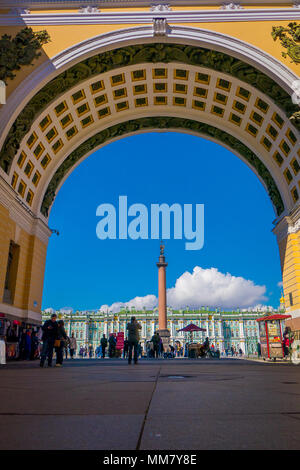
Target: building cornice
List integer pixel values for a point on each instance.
(147, 17)
(288, 225)
(71, 4)
(14, 313)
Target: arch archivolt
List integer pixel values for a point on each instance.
(145, 90)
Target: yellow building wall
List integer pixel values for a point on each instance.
(7, 232)
(289, 249)
(31, 265)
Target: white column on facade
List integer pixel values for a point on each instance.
(213, 329)
(172, 329)
(86, 332)
(221, 336)
(242, 336)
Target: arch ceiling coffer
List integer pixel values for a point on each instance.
(62, 121)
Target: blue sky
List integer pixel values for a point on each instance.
(84, 272)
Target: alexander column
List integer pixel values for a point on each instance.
(162, 298)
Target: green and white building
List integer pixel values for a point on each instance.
(224, 328)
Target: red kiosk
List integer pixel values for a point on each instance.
(271, 335)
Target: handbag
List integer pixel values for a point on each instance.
(57, 343)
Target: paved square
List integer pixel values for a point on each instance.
(163, 404)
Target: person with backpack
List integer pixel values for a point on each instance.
(133, 339)
(103, 345)
(49, 328)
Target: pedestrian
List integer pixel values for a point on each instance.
(49, 328)
(97, 351)
(103, 345)
(34, 346)
(161, 347)
(72, 345)
(155, 340)
(125, 350)
(91, 351)
(60, 343)
(27, 351)
(22, 345)
(2, 350)
(112, 345)
(133, 339)
(288, 339)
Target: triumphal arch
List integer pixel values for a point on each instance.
(81, 74)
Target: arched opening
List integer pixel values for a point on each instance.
(146, 86)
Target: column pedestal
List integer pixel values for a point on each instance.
(165, 336)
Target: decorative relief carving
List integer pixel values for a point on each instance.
(160, 27)
(19, 11)
(88, 10)
(231, 6)
(289, 38)
(160, 8)
(295, 227)
(23, 49)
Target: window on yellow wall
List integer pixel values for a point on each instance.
(11, 273)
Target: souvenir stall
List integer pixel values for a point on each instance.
(13, 335)
(2, 339)
(12, 339)
(271, 329)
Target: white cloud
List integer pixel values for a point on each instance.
(49, 310)
(148, 301)
(280, 284)
(210, 287)
(202, 287)
(66, 310)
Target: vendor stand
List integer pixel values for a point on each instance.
(271, 335)
(192, 347)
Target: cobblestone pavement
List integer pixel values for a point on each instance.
(157, 404)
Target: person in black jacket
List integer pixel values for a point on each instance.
(49, 328)
(61, 341)
(112, 346)
(103, 345)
